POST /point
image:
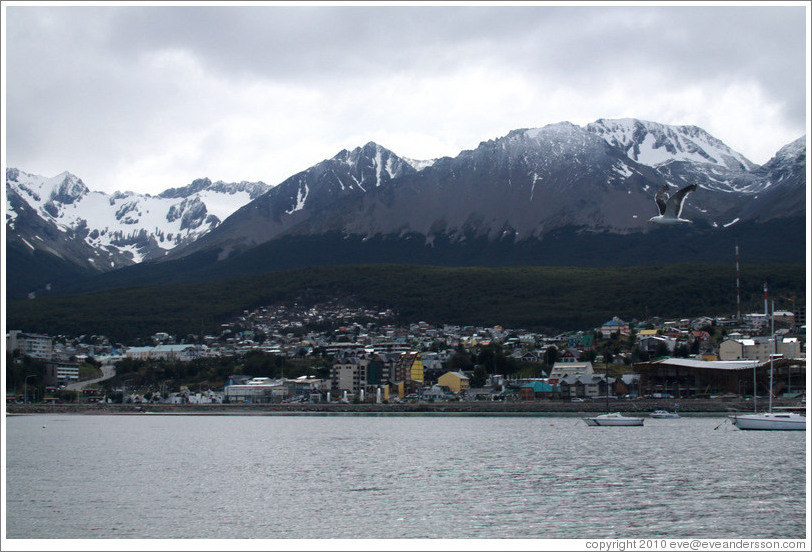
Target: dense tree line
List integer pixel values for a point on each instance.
(549, 299)
(209, 372)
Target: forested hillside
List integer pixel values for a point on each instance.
(542, 298)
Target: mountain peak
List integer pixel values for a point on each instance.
(69, 189)
(656, 144)
(794, 151)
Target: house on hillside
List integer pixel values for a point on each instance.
(615, 325)
(183, 352)
(582, 342)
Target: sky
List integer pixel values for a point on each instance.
(145, 97)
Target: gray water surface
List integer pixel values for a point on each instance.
(390, 477)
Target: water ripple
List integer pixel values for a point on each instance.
(398, 477)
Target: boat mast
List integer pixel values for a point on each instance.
(772, 354)
(606, 361)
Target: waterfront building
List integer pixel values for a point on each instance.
(561, 370)
(256, 390)
(536, 390)
(457, 382)
(687, 377)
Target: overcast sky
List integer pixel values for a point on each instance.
(144, 98)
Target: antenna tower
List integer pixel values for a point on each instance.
(738, 286)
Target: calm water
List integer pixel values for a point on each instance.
(387, 477)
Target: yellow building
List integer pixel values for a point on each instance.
(457, 382)
(409, 367)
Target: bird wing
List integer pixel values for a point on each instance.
(676, 201)
(661, 198)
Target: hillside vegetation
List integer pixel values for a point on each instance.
(541, 298)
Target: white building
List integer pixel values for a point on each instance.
(183, 352)
(257, 390)
(563, 369)
(759, 348)
(30, 344)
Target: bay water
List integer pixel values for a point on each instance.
(398, 477)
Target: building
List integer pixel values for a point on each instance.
(536, 390)
(61, 373)
(408, 367)
(345, 374)
(652, 342)
(583, 386)
(182, 352)
(361, 372)
(563, 369)
(457, 382)
(435, 393)
(30, 344)
(759, 348)
(256, 390)
(615, 325)
(686, 377)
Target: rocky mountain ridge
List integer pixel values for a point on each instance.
(119, 229)
(547, 193)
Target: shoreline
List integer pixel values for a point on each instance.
(687, 407)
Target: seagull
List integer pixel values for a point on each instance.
(671, 207)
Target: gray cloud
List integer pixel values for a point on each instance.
(139, 97)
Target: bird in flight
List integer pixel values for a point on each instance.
(671, 207)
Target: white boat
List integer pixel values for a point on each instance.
(663, 414)
(614, 419)
(770, 420)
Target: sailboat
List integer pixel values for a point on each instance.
(770, 420)
(615, 419)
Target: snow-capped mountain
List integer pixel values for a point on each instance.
(121, 228)
(656, 145)
(346, 177)
(598, 178)
(559, 194)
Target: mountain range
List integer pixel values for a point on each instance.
(557, 195)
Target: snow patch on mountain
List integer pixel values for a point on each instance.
(139, 226)
(301, 197)
(654, 144)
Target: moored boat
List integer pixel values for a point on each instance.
(770, 420)
(614, 419)
(663, 414)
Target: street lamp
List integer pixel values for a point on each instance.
(25, 387)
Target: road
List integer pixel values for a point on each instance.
(108, 371)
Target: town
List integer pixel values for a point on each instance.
(332, 353)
